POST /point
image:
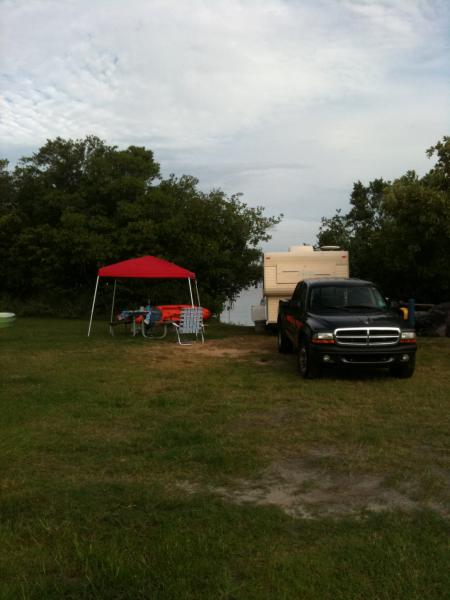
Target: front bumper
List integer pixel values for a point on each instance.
(387, 356)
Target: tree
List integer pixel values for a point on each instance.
(66, 200)
(398, 233)
(215, 236)
(78, 204)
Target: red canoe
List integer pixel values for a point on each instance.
(171, 312)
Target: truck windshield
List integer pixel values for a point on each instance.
(344, 297)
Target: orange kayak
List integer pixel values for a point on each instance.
(171, 312)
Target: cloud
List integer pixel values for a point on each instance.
(188, 73)
(286, 101)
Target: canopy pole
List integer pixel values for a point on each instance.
(93, 305)
(113, 300)
(196, 289)
(190, 291)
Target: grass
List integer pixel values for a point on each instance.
(132, 468)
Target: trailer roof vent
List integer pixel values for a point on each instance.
(305, 249)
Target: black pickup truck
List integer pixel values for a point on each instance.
(344, 322)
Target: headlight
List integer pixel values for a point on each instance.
(408, 337)
(323, 337)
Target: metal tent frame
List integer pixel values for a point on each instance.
(145, 267)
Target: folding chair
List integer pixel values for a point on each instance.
(191, 322)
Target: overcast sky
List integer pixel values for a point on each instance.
(286, 101)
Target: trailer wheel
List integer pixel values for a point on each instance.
(260, 327)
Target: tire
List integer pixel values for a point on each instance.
(284, 344)
(307, 366)
(404, 371)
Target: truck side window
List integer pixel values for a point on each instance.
(302, 298)
(296, 294)
(299, 295)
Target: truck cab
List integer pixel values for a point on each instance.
(344, 322)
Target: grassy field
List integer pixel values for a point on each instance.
(134, 468)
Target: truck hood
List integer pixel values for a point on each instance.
(359, 319)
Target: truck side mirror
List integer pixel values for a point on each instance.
(393, 304)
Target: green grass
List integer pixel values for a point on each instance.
(121, 460)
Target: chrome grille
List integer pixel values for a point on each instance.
(367, 336)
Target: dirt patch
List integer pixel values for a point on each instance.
(246, 348)
(306, 492)
(214, 350)
(265, 362)
(236, 347)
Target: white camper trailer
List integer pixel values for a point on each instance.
(283, 270)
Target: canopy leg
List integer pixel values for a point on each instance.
(93, 305)
(198, 296)
(111, 330)
(190, 291)
(113, 300)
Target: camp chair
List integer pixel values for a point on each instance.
(191, 322)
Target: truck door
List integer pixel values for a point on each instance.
(295, 312)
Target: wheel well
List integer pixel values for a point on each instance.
(302, 335)
(301, 338)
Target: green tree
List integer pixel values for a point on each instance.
(398, 233)
(215, 236)
(67, 196)
(78, 204)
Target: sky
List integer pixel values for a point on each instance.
(288, 102)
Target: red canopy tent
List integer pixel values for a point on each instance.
(149, 267)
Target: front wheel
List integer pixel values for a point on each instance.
(405, 371)
(307, 365)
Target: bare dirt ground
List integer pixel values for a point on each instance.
(236, 347)
(260, 350)
(304, 492)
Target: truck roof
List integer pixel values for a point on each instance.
(337, 281)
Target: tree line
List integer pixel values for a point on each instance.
(76, 205)
(398, 232)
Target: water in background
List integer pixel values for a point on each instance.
(239, 313)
